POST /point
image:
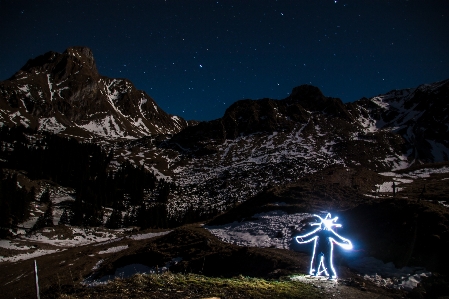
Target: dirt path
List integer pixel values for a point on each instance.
(345, 288)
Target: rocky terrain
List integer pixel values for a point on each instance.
(92, 160)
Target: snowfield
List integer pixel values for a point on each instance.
(273, 229)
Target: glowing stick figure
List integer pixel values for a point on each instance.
(324, 237)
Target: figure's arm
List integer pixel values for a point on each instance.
(339, 240)
(309, 237)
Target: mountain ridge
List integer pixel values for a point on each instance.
(391, 113)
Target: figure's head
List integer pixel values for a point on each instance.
(327, 223)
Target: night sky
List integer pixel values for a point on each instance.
(195, 58)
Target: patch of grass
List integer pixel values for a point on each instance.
(169, 285)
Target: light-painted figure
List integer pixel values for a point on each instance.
(324, 238)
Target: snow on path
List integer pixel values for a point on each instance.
(88, 236)
(113, 249)
(149, 235)
(27, 256)
(80, 237)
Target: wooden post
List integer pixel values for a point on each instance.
(37, 280)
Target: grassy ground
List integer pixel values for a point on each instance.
(169, 285)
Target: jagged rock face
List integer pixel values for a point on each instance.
(64, 93)
(418, 115)
(246, 117)
(266, 115)
(312, 99)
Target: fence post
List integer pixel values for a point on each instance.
(37, 280)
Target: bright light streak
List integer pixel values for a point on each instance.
(325, 247)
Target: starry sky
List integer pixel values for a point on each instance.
(196, 57)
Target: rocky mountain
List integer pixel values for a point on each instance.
(65, 94)
(256, 145)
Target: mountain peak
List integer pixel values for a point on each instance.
(308, 96)
(64, 93)
(73, 60)
(307, 91)
(84, 54)
(80, 50)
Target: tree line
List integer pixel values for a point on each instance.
(14, 202)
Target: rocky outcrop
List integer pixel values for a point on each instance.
(267, 115)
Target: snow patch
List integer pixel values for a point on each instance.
(113, 249)
(50, 124)
(14, 246)
(148, 235)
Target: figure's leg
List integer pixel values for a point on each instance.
(315, 263)
(327, 263)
